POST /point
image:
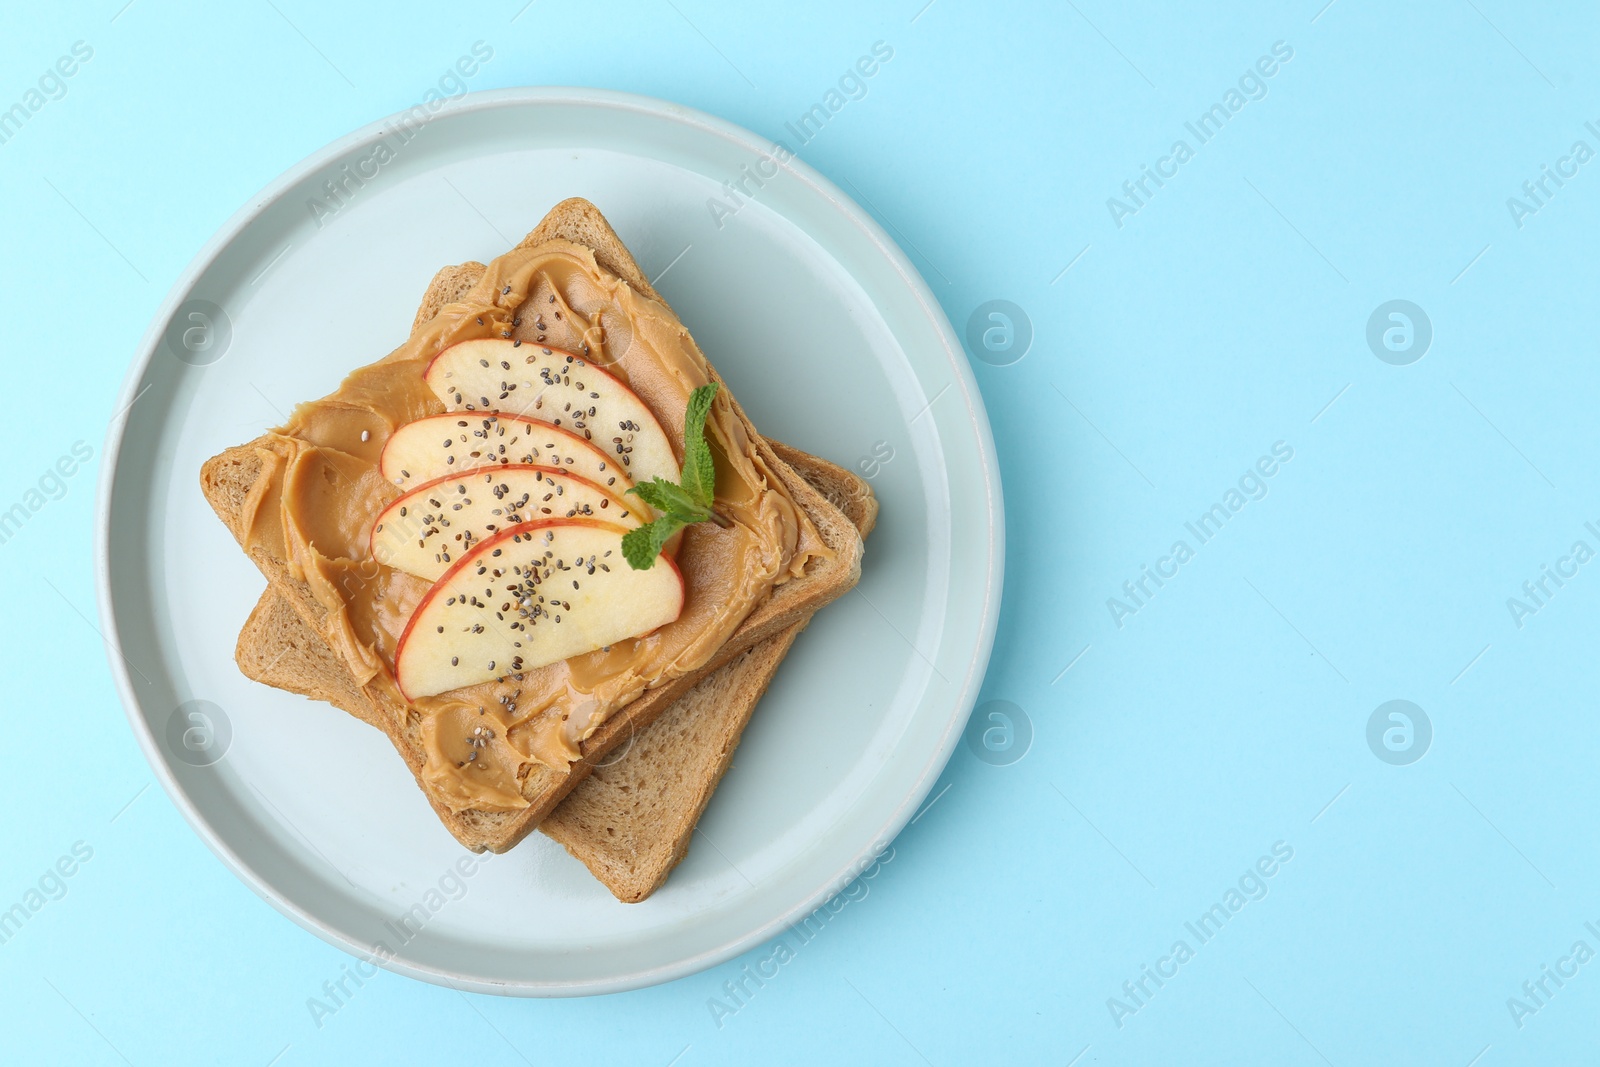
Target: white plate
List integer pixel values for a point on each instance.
(828, 337)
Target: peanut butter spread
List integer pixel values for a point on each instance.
(320, 491)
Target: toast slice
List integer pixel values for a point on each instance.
(227, 480)
(631, 821)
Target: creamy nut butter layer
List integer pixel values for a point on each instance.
(314, 507)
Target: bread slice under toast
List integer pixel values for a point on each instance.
(226, 481)
(631, 821)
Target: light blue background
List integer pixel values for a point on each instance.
(1228, 714)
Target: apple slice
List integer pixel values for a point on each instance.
(441, 445)
(440, 521)
(536, 382)
(529, 596)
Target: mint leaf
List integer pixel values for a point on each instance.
(699, 471)
(642, 545)
(669, 499)
(679, 505)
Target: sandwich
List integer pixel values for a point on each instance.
(527, 534)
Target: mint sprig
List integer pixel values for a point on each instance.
(680, 504)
